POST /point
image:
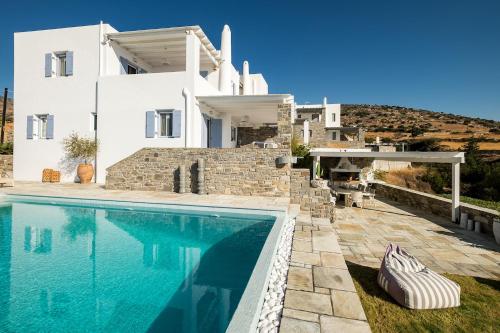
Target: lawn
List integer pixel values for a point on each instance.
(479, 310)
(495, 205)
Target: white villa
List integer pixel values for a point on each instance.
(150, 88)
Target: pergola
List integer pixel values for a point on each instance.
(453, 158)
(246, 109)
(164, 46)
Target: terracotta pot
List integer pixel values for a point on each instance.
(85, 172)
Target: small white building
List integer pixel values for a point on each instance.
(150, 88)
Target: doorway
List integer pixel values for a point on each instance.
(214, 132)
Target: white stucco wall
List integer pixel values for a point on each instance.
(122, 104)
(329, 119)
(70, 99)
(259, 84)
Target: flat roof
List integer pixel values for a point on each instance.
(157, 46)
(409, 156)
(344, 128)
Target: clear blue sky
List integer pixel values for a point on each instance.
(439, 55)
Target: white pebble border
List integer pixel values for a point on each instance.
(270, 315)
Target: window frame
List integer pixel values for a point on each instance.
(169, 125)
(233, 133)
(41, 121)
(59, 56)
(93, 121)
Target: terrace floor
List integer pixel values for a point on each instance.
(96, 191)
(363, 235)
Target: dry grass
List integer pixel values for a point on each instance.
(479, 310)
(409, 178)
(482, 145)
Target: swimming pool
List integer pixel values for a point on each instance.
(87, 266)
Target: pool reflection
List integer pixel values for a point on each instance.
(208, 297)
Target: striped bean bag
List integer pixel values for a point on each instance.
(413, 285)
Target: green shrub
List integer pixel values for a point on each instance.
(7, 148)
(305, 160)
(435, 179)
(79, 148)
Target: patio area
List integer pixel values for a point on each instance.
(363, 235)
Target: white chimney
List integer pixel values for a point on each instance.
(247, 88)
(225, 67)
(324, 102)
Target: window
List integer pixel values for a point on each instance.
(61, 64)
(334, 136)
(233, 133)
(315, 116)
(42, 126)
(333, 116)
(299, 116)
(164, 124)
(93, 122)
(131, 69)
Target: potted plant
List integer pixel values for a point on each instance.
(82, 150)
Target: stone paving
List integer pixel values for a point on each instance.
(320, 295)
(436, 241)
(96, 191)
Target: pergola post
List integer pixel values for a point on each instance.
(455, 191)
(315, 167)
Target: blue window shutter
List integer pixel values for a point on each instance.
(29, 127)
(176, 123)
(69, 63)
(150, 124)
(48, 64)
(123, 65)
(50, 127)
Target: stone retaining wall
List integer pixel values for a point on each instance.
(6, 166)
(437, 205)
(247, 135)
(322, 137)
(314, 200)
(237, 171)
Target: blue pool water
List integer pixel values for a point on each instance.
(66, 268)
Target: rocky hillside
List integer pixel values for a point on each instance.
(9, 128)
(396, 123)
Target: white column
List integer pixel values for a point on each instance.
(306, 132)
(225, 66)
(247, 83)
(192, 122)
(455, 191)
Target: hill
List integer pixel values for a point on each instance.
(397, 123)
